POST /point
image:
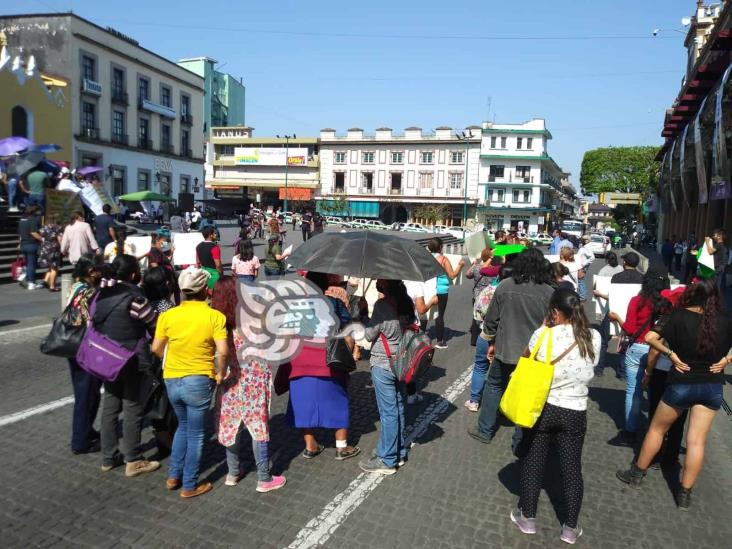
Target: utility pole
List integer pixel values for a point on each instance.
(287, 166)
(462, 136)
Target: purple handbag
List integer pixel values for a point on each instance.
(99, 355)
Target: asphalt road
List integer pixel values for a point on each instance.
(454, 492)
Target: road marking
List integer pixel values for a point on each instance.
(318, 530)
(5, 333)
(35, 410)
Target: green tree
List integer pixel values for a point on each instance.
(335, 204)
(620, 169)
(431, 213)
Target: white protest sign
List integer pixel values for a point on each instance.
(430, 291)
(142, 244)
(476, 243)
(184, 252)
(620, 296)
(602, 285)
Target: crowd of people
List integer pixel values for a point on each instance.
(183, 331)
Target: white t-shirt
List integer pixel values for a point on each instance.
(607, 270)
(572, 373)
(585, 256)
(66, 184)
(415, 289)
(574, 267)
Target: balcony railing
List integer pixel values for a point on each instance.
(367, 190)
(188, 153)
(143, 143)
(340, 189)
(395, 190)
(167, 148)
(456, 192)
(425, 191)
(90, 133)
(120, 98)
(186, 118)
(512, 178)
(120, 138)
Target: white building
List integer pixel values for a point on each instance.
(388, 176)
(521, 186)
(135, 113)
(265, 170)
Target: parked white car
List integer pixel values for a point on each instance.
(440, 228)
(599, 244)
(415, 228)
(376, 224)
(358, 224)
(541, 239)
(457, 232)
(396, 226)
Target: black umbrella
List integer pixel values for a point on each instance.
(366, 254)
(24, 163)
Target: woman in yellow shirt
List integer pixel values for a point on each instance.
(194, 334)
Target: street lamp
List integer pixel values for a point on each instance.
(287, 163)
(462, 136)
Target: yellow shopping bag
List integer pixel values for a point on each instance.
(529, 385)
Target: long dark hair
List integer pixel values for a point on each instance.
(125, 267)
(531, 266)
(654, 281)
(397, 291)
(568, 303)
(246, 249)
(86, 264)
(704, 294)
(156, 284)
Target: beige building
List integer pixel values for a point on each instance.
(266, 170)
(133, 112)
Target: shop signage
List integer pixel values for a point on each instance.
(262, 156)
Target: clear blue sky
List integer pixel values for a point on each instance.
(310, 65)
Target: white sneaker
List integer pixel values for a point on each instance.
(472, 406)
(14, 210)
(32, 286)
(232, 480)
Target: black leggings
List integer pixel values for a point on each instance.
(440, 320)
(566, 429)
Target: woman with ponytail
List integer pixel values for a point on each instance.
(698, 336)
(643, 312)
(563, 422)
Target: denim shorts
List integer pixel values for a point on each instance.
(686, 395)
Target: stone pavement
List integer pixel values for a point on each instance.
(453, 492)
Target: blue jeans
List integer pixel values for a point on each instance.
(246, 279)
(12, 186)
(582, 287)
(190, 397)
(635, 361)
(391, 446)
(35, 200)
(30, 252)
(273, 273)
(496, 382)
(261, 457)
(480, 367)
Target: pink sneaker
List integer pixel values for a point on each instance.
(472, 406)
(275, 484)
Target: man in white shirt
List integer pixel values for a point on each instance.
(66, 183)
(585, 256)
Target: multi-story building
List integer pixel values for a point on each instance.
(266, 170)
(133, 112)
(599, 216)
(521, 186)
(224, 96)
(389, 176)
(694, 188)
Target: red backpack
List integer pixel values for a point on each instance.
(415, 354)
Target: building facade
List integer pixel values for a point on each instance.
(392, 177)
(224, 96)
(33, 105)
(694, 191)
(133, 112)
(266, 170)
(521, 186)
